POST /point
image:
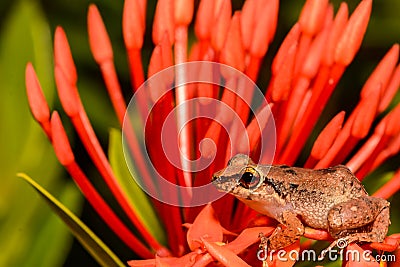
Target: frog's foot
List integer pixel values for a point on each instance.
(341, 243)
(264, 240)
(262, 253)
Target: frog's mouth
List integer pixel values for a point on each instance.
(219, 184)
(223, 184)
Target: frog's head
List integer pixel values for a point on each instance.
(239, 178)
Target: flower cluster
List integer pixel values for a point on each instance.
(304, 74)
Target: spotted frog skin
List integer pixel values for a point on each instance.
(331, 199)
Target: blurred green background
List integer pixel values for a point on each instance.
(30, 235)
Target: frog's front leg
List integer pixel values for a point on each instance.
(364, 219)
(284, 237)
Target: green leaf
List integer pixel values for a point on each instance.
(136, 196)
(100, 252)
(50, 232)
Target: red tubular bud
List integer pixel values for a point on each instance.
(164, 21)
(63, 57)
(233, 54)
(99, 41)
(37, 102)
(183, 12)
(133, 26)
(353, 34)
(312, 16)
(327, 136)
(61, 144)
(67, 93)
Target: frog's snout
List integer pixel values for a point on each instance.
(216, 176)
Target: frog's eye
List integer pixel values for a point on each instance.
(250, 178)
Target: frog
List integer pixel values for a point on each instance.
(332, 199)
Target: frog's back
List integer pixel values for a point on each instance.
(313, 193)
(334, 181)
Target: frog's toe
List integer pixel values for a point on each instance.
(264, 241)
(341, 243)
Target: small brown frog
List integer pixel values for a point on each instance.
(331, 199)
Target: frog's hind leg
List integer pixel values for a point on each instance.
(365, 218)
(373, 232)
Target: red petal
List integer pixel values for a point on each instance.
(395, 236)
(247, 238)
(287, 259)
(162, 263)
(390, 244)
(213, 231)
(224, 255)
(142, 263)
(184, 261)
